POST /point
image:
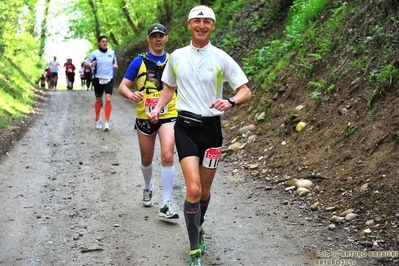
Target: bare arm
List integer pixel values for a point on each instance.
(87, 65)
(93, 63)
(124, 90)
(164, 99)
(242, 96)
(115, 65)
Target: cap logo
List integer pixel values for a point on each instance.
(201, 12)
(157, 28)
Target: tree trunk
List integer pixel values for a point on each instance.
(166, 11)
(129, 19)
(43, 31)
(207, 2)
(97, 23)
(113, 38)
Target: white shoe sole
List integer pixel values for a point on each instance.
(174, 216)
(148, 204)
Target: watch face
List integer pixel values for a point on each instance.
(232, 101)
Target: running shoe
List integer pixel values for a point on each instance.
(202, 240)
(99, 124)
(147, 197)
(167, 212)
(195, 258)
(106, 126)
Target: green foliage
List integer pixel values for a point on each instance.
(316, 96)
(280, 131)
(328, 149)
(16, 95)
(337, 15)
(322, 85)
(317, 84)
(318, 56)
(268, 61)
(19, 61)
(351, 130)
(385, 76)
(310, 35)
(264, 58)
(302, 13)
(259, 20)
(380, 80)
(127, 20)
(179, 36)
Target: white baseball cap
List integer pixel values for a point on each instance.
(201, 12)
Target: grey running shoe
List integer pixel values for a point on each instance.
(195, 258)
(167, 212)
(99, 124)
(202, 240)
(147, 197)
(106, 126)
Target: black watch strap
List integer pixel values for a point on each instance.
(232, 101)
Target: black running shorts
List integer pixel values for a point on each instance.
(148, 128)
(99, 89)
(195, 141)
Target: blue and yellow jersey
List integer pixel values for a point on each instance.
(146, 70)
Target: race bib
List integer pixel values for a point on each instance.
(212, 157)
(150, 103)
(104, 81)
(70, 70)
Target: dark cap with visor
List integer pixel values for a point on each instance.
(156, 28)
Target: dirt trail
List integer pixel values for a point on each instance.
(66, 188)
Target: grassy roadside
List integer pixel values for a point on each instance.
(17, 96)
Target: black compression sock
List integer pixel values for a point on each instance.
(204, 206)
(192, 215)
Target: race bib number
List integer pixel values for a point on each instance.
(212, 157)
(70, 70)
(104, 81)
(150, 103)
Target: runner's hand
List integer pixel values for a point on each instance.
(137, 96)
(153, 116)
(220, 104)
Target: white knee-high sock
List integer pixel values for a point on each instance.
(167, 177)
(147, 174)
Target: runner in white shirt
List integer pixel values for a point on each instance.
(104, 62)
(54, 66)
(199, 71)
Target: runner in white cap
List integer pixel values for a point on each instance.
(201, 12)
(199, 71)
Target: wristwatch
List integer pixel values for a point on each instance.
(232, 101)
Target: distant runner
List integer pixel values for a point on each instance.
(54, 66)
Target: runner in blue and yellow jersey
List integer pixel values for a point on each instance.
(145, 71)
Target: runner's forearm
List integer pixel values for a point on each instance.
(165, 97)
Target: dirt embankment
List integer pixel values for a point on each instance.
(71, 195)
